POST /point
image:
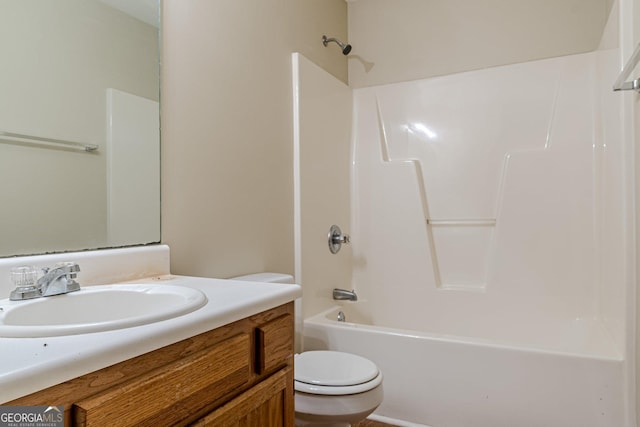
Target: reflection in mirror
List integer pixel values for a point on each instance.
(82, 71)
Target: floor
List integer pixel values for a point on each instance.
(371, 423)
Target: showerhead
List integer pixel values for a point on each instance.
(346, 48)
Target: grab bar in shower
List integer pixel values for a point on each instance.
(620, 83)
(18, 137)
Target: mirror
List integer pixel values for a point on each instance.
(79, 125)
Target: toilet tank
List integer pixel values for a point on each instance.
(266, 277)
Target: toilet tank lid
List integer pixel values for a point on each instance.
(265, 277)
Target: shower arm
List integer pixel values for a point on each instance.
(326, 41)
(345, 47)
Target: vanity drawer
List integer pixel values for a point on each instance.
(173, 392)
(274, 343)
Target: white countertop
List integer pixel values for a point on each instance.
(31, 364)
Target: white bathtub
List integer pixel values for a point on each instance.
(453, 381)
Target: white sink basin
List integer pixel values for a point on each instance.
(96, 309)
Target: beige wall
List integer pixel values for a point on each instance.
(400, 40)
(227, 177)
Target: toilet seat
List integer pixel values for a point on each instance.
(334, 373)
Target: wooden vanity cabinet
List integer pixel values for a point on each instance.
(240, 374)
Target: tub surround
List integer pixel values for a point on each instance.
(503, 216)
(32, 364)
(489, 243)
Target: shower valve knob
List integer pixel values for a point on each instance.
(336, 239)
(344, 238)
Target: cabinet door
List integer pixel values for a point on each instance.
(267, 404)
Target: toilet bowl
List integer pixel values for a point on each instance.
(335, 388)
(332, 388)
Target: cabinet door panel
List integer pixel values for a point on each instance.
(172, 393)
(268, 404)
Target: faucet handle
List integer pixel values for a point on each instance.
(70, 267)
(337, 239)
(70, 264)
(24, 278)
(71, 270)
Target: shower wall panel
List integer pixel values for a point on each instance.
(479, 196)
(322, 157)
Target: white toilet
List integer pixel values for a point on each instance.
(332, 388)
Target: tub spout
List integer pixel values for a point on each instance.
(344, 295)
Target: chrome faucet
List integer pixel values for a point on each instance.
(55, 281)
(59, 280)
(344, 295)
